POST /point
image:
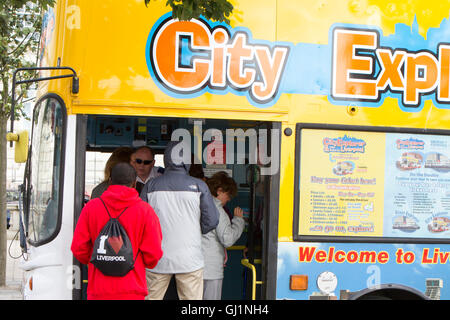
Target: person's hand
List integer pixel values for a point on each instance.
(238, 212)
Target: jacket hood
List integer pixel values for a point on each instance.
(176, 157)
(118, 197)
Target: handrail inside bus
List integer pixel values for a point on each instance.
(247, 264)
(75, 85)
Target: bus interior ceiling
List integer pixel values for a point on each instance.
(105, 133)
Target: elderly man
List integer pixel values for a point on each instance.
(143, 161)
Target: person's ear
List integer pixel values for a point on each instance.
(219, 191)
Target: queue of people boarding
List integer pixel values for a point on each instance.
(145, 224)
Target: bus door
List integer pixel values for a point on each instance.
(98, 136)
(248, 259)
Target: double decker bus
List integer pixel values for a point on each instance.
(311, 106)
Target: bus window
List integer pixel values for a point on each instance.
(95, 170)
(159, 160)
(45, 170)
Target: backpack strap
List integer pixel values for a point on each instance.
(135, 258)
(108, 211)
(105, 207)
(118, 218)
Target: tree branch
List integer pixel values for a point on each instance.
(25, 46)
(34, 27)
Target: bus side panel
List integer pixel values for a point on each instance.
(358, 266)
(49, 266)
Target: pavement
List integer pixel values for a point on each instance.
(13, 288)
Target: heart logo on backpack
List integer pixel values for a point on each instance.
(111, 240)
(115, 243)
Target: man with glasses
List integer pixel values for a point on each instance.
(143, 161)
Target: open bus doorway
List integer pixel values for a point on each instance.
(98, 136)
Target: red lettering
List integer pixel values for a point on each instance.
(409, 257)
(435, 255)
(352, 256)
(321, 256)
(306, 253)
(383, 257)
(330, 254)
(399, 255)
(338, 257)
(425, 258)
(444, 256)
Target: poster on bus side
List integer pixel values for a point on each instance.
(341, 183)
(417, 186)
(374, 184)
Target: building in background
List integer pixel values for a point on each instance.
(433, 288)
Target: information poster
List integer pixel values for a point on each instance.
(417, 186)
(374, 184)
(341, 183)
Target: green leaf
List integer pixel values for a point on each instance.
(216, 10)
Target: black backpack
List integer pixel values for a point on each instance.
(112, 253)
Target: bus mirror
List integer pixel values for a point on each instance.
(21, 147)
(75, 85)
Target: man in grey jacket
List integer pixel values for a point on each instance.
(186, 210)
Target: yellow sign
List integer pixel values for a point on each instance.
(341, 183)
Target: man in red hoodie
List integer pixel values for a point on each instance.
(142, 226)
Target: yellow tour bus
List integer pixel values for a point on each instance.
(313, 107)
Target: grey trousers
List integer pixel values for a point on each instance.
(212, 289)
